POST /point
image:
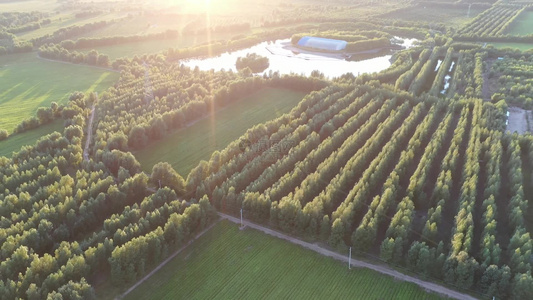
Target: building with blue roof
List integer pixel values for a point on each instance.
(322, 43)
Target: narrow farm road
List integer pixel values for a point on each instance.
(433, 287)
(89, 134)
(166, 261)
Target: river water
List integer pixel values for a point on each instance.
(283, 59)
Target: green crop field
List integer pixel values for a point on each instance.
(27, 83)
(183, 149)
(523, 25)
(140, 25)
(228, 263)
(15, 142)
(66, 20)
(452, 16)
(149, 47)
(519, 46)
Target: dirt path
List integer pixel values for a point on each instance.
(486, 92)
(429, 286)
(89, 133)
(166, 261)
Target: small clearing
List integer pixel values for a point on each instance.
(520, 120)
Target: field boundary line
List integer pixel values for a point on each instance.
(163, 263)
(71, 63)
(428, 286)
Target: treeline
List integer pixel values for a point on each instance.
(253, 61)
(132, 259)
(444, 69)
(69, 32)
(115, 40)
(513, 81)
(57, 52)
(419, 83)
(402, 62)
(376, 43)
(4, 134)
(29, 26)
(468, 75)
(504, 38)
(13, 44)
(12, 20)
(404, 81)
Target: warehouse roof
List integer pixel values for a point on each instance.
(322, 43)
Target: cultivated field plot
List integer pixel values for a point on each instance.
(154, 46)
(28, 83)
(183, 149)
(15, 142)
(66, 20)
(136, 25)
(519, 46)
(492, 22)
(451, 16)
(522, 25)
(228, 263)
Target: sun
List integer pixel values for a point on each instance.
(204, 3)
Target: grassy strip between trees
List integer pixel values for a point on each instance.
(519, 46)
(17, 141)
(227, 263)
(184, 149)
(522, 24)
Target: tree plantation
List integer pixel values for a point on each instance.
(414, 171)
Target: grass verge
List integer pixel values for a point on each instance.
(228, 263)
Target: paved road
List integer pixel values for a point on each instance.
(357, 263)
(89, 134)
(165, 262)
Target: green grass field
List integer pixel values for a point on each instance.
(228, 263)
(523, 25)
(27, 83)
(451, 16)
(519, 46)
(184, 149)
(66, 20)
(29, 5)
(15, 142)
(150, 47)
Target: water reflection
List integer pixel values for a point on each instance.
(447, 79)
(286, 59)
